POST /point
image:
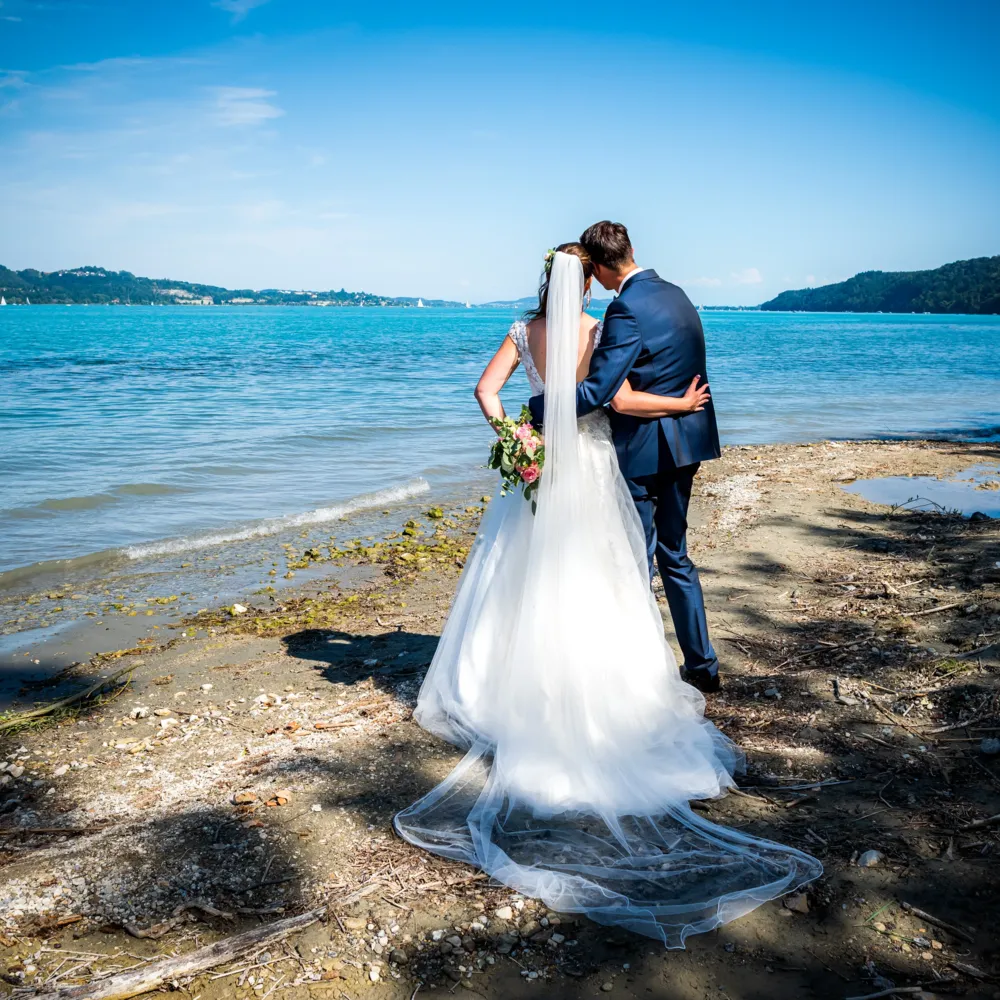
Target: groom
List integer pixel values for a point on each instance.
(653, 336)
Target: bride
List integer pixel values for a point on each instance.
(584, 746)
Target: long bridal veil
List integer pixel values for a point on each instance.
(584, 747)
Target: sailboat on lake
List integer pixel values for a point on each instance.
(3, 301)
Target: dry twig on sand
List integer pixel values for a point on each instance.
(151, 976)
(979, 823)
(893, 991)
(958, 932)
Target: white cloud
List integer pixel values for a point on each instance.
(118, 62)
(748, 276)
(704, 282)
(13, 78)
(244, 106)
(238, 8)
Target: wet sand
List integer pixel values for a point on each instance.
(255, 762)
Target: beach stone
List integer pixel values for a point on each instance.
(990, 746)
(772, 692)
(238, 609)
(355, 923)
(607, 987)
(60, 770)
(530, 927)
(504, 913)
(870, 859)
(505, 943)
(398, 956)
(799, 903)
(139, 713)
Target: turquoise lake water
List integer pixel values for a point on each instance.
(132, 438)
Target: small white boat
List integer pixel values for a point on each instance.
(3, 301)
(420, 303)
(467, 306)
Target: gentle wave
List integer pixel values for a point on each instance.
(274, 525)
(150, 490)
(34, 574)
(77, 503)
(93, 501)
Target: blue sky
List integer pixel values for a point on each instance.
(440, 149)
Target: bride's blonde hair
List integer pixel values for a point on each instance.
(577, 250)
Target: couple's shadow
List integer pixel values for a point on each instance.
(388, 658)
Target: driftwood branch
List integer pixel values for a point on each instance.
(67, 831)
(958, 932)
(933, 611)
(979, 823)
(149, 977)
(892, 992)
(973, 652)
(37, 713)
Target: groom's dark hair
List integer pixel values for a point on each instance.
(608, 244)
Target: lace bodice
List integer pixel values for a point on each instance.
(519, 334)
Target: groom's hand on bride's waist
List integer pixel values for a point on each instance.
(537, 406)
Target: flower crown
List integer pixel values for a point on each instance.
(550, 255)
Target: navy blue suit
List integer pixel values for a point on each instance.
(653, 336)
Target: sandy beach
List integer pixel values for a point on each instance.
(247, 771)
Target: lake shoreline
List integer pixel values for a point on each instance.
(100, 623)
(819, 602)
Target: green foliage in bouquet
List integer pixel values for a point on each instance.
(518, 454)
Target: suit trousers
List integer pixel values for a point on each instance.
(662, 502)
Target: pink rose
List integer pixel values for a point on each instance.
(528, 447)
(530, 474)
(523, 432)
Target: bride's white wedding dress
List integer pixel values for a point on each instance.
(584, 745)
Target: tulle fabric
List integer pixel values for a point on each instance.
(584, 745)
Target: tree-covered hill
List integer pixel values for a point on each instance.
(967, 286)
(99, 286)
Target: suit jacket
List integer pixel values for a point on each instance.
(652, 336)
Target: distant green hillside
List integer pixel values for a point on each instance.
(99, 286)
(967, 286)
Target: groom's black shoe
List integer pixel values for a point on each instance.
(704, 681)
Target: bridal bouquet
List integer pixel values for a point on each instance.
(519, 454)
